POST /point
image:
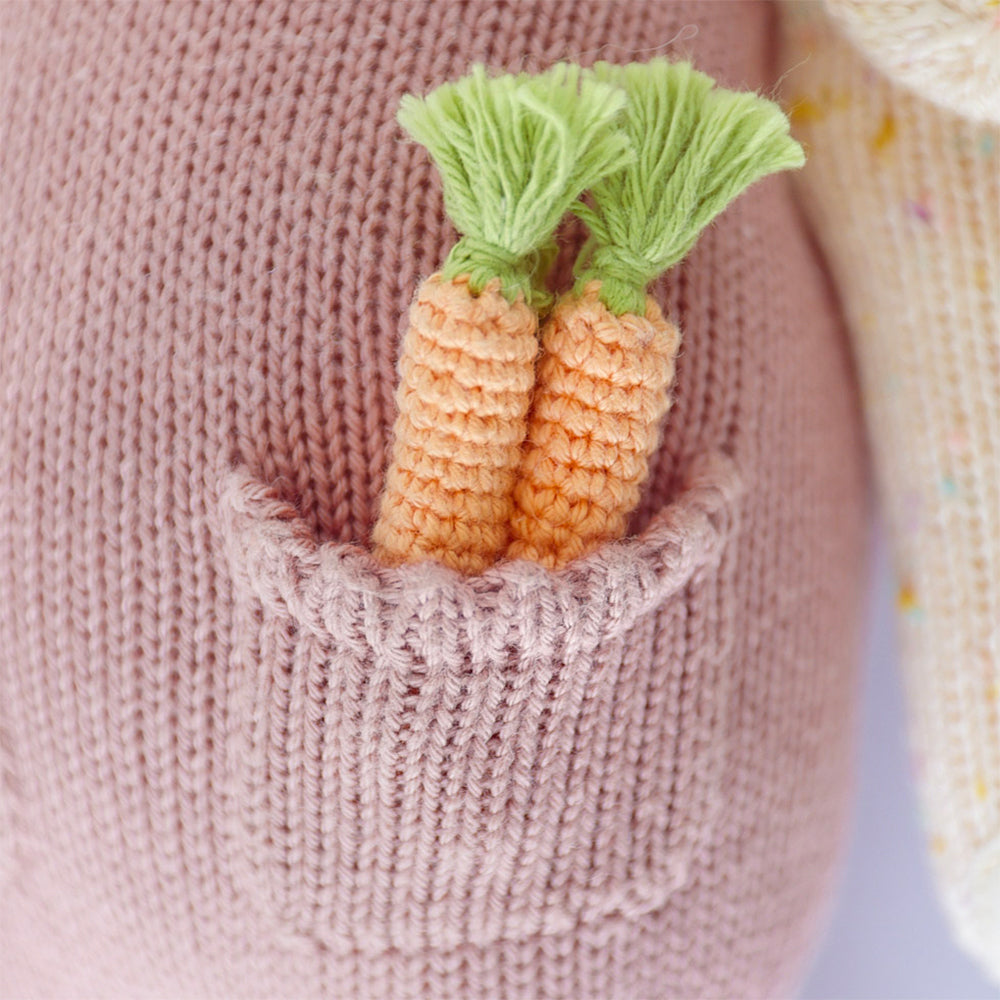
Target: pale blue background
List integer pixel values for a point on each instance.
(888, 939)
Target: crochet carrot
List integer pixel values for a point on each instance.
(608, 354)
(513, 152)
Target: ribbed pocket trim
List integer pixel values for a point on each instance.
(328, 588)
(422, 760)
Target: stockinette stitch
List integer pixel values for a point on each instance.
(905, 196)
(238, 758)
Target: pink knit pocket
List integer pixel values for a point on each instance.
(421, 760)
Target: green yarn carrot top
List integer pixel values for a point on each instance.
(662, 151)
(514, 153)
(698, 146)
(604, 378)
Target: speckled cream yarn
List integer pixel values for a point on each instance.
(946, 51)
(906, 198)
(238, 758)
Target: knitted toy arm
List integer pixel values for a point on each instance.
(905, 196)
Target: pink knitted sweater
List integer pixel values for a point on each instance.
(238, 758)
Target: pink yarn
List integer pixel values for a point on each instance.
(237, 758)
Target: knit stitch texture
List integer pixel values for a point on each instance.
(238, 758)
(906, 198)
(944, 51)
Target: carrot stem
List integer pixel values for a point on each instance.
(698, 147)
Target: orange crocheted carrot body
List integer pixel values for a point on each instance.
(603, 385)
(466, 372)
(513, 152)
(604, 379)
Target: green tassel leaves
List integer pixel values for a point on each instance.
(514, 153)
(697, 147)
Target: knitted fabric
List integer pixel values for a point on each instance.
(601, 390)
(946, 51)
(466, 371)
(906, 198)
(431, 812)
(239, 759)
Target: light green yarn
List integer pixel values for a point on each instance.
(698, 146)
(514, 152)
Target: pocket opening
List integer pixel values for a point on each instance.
(420, 759)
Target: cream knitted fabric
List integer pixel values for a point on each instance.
(946, 51)
(905, 198)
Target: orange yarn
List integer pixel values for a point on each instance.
(466, 371)
(601, 389)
